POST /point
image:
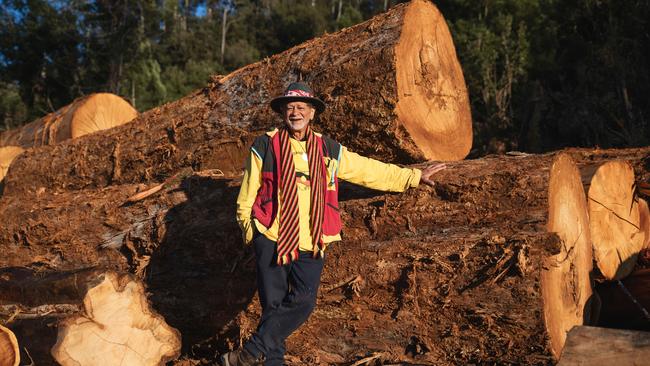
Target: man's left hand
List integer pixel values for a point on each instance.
(428, 172)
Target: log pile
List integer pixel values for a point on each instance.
(450, 275)
(393, 86)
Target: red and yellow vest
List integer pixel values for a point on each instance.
(265, 207)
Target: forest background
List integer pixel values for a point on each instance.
(541, 74)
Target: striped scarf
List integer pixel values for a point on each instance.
(289, 236)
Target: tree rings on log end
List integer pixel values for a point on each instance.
(614, 219)
(85, 115)
(9, 352)
(119, 328)
(433, 102)
(566, 276)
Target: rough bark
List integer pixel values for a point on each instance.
(447, 275)
(604, 347)
(393, 87)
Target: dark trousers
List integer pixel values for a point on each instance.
(287, 295)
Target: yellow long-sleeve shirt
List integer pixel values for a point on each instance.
(350, 167)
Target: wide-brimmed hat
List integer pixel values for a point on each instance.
(297, 92)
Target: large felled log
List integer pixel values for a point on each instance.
(464, 256)
(614, 219)
(91, 113)
(393, 86)
(566, 279)
(603, 347)
(114, 323)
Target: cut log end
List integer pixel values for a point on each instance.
(566, 283)
(118, 328)
(7, 155)
(101, 111)
(87, 114)
(433, 102)
(9, 352)
(614, 219)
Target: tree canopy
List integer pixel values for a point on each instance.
(542, 74)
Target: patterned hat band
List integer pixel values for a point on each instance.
(298, 93)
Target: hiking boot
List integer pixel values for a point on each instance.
(240, 357)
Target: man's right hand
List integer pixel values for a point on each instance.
(429, 171)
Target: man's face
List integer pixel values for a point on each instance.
(297, 115)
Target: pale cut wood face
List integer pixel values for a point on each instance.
(433, 102)
(85, 115)
(9, 351)
(119, 328)
(566, 283)
(614, 219)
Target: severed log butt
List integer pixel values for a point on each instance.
(393, 87)
(7, 155)
(614, 219)
(114, 324)
(91, 113)
(9, 352)
(566, 277)
(604, 347)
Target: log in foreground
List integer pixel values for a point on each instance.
(614, 219)
(450, 275)
(9, 352)
(393, 87)
(94, 112)
(566, 277)
(605, 347)
(104, 318)
(117, 327)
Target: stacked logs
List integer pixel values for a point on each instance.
(456, 274)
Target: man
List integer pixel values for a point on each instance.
(288, 208)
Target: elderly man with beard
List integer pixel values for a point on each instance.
(288, 209)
